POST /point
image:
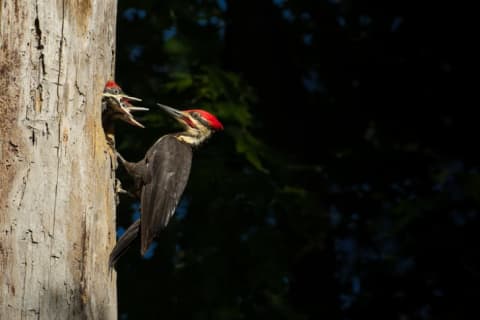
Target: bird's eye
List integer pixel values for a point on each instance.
(200, 118)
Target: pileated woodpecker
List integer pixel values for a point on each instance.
(161, 176)
(116, 105)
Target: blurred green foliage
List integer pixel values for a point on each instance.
(333, 192)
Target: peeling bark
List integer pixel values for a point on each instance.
(57, 200)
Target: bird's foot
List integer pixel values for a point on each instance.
(119, 189)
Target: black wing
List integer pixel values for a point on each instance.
(168, 164)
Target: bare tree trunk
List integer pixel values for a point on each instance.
(57, 200)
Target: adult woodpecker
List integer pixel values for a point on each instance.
(116, 105)
(161, 176)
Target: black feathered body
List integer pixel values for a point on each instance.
(160, 179)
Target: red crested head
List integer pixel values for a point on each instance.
(207, 118)
(199, 124)
(112, 86)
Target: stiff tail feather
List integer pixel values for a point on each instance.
(124, 243)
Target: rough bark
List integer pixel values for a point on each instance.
(57, 200)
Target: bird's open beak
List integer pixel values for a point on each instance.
(177, 114)
(124, 108)
(127, 108)
(118, 97)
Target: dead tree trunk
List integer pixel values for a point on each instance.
(57, 201)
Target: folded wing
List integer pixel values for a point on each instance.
(168, 164)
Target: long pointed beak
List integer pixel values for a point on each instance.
(171, 111)
(127, 108)
(124, 96)
(131, 120)
(133, 108)
(120, 96)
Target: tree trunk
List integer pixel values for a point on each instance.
(57, 198)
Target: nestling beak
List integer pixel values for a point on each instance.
(121, 108)
(120, 96)
(127, 108)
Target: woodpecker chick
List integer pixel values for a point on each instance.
(116, 105)
(161, 176)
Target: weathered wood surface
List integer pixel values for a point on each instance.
(57, 201)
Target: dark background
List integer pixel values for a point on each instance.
(346, 184)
